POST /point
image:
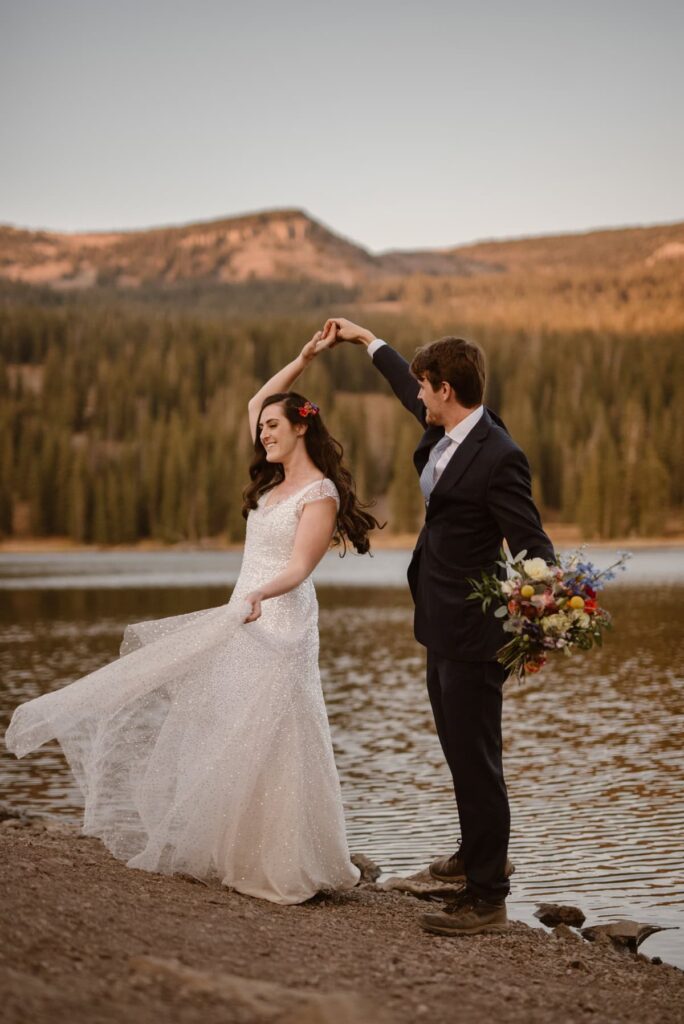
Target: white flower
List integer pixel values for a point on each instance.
(554, 623)
(514, 625)
(537, 569)
(506, 588)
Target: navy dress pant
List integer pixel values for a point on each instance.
(466, 700)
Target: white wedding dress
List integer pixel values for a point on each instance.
(205, 747)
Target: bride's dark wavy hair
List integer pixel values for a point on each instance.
(353, 521)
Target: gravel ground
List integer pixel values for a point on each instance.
(85, 939)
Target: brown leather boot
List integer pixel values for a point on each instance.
(468, 915)
(452, 869)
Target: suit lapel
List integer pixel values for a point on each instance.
(462, 457)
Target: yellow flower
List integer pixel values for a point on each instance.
(527, 591)
(577, 602)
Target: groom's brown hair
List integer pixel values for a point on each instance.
(458, 362)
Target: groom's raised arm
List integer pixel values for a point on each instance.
(395, 370)
(391, 365)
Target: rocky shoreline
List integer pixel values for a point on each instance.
(87, 940)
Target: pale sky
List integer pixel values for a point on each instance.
(397, 124)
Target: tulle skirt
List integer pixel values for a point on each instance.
(205, 749)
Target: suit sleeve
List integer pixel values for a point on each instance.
(509, 496)
(395, 370)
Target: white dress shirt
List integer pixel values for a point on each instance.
(374, 346)
(457, 434)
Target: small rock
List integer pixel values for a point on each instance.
(624, 934)
(578, 965)
(552, 914)
(656, 960)
(8, 813)
(370, 871)
(561, 931)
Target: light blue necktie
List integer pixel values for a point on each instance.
(427, 477)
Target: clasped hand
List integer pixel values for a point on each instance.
(335, 330)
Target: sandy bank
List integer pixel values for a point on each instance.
(86, 939)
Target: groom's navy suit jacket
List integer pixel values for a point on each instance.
(483, 496)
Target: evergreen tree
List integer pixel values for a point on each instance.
(652, 495)
(100, 530)
(77, 509)
(6, 479)
(405, 496)
(118, 422)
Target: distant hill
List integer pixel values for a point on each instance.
(617, 249)
(275, 245)
(290, 246)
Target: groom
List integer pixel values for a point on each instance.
(476, 485)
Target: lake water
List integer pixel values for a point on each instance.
(593, 745)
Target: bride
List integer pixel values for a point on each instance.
(205, 748)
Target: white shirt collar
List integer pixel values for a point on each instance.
(462, 429)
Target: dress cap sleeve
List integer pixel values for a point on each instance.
(320, 489)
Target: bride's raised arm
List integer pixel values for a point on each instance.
(283, 380)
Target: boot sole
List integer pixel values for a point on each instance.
(457, 879)
(485, 929)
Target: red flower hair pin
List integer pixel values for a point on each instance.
(308, 409)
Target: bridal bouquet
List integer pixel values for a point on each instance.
(547, 608)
